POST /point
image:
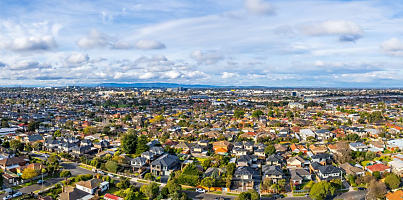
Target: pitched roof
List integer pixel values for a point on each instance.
(165, 160)
(328, 169)
(13, 160)
(93, 183)
(377, 167)
(397, 195)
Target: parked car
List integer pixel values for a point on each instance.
(8, 197)
(219, 198)
(278, 196)
(101, 172)
(17, 194)
(306, 195)
(94, 170)
(40, 181)
(111, 175)
(361, 188)
(200, 190)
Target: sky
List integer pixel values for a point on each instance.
(278, 43)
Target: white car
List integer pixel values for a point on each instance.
(7, 197)
(17, 194)
(111, 175)
(200, 190)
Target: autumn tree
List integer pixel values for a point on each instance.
(29, 173)
(376, 190)
(343, 154)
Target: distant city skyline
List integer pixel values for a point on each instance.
(275, 43)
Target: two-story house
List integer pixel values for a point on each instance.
(164, 165)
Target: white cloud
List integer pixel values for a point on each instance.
(319, 63)
(393, 47)
(284, 30)
(173, 74)
(149, 44)
(28, 64)
(228, 75)
(148, 75)
(32, 43)
(341, 27)
(122, 45)
(195, 74)
(252, 62)
(77, 58)
(208, 58)
(259, 7)
(94, 39)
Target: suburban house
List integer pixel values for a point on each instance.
(275, 173)
(297, 162)
(275, 160)
(91, 186)
(164, 165)
(317, 149)
(352, 170)
(72, 193)
(243, 178)
(305, 133)
(138, 162)
(299, 175)
(328, 172)
(108, 196)
(397, 166)
(221, 147)
(13, 163)
(323, 134)
(358, 146)
(378, 168)
(246, 160)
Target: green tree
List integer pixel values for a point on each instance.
(53, 159)
(392, 181)
(230, 168)
(37, 145)
(31, 126)
(206, 163)
(15, 144)
(142, 144)
(269, 150)
(112, 166)
(254, 195)
(239, 113)
(4, 123)
(320, 190)
(370, 155)
(257, 113)
(207, 182)
(124, 183)
(57, 133)
(150, 190)
(29, 173)
(149, 177)
(65, 174)
(129, 141)
(173, 186)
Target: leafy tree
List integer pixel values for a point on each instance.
(376, 174)
(173, 186)
(320, 190)
(53, 159)
(254, 195)
(112, 166)
(257, 113)
(29, 173)
(65, 174)
(31, 126)
(90, 130)
(376, 190)
(129, 141)
(206, 163)
(142, 144)
(150, 190)
(123, 183)
(15, 144)
(392, 181)
(4, 123)
(370, 155)
(57, 133)
(239, 113)
(231, 168)
(149, 176)
(207, 182)
(344, 153)
(190, 169)
(269, 150)
(6, 144)
(37, 145)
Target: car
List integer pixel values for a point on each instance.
(101, 172)
(278, 196)
(200, 190)
(361, 188)
(94, 170)
(40, 181)
(306, 195)
(8, 197)
(17, 194)
(111, 175)
(219, 198)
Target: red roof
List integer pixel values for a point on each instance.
(377, 168)
(111, 196)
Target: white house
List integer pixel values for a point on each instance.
(91, 186)
(305, 133)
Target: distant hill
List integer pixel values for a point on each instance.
(153, 85)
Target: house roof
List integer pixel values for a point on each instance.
(274, 158)
(111, 196)
(93, 183)
(13, 160)
(377, 167)
(350, 169)
(397, 195)
(243, 171)
(272, 170)
(328, 169)
(165, 160)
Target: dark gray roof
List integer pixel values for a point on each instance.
(166, 160)
(272, 170)
(243, 171)
(274, 158)
(328, 169)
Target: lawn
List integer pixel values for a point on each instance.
(85, 167)
(233, 194)
(112, 190)
(201, 159)
(364, 163)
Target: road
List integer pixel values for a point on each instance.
(75, 170)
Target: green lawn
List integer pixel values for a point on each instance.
(85, 167)
(112, 190)
(217, 192)
(364, 163)
(233, 194)
(201, 159)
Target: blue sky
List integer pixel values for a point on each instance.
(219, 42)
